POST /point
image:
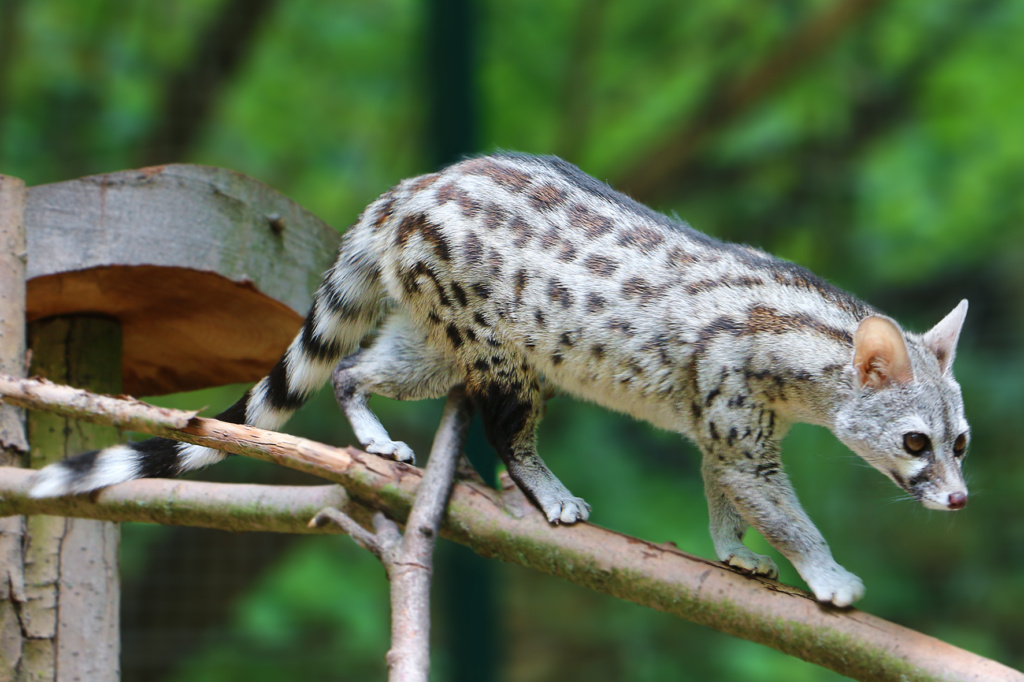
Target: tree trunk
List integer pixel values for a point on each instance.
(13, 446)
(71, 615)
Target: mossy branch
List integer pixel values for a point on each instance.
(503, 525)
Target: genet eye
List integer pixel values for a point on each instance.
(916, 443)
(960, 445)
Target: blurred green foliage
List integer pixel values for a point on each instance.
(889, 162)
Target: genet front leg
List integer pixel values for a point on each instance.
(746, 486)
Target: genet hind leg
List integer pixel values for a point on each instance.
(508, 394)
(401, 364)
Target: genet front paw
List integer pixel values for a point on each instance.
(833, 584)
(752, 562)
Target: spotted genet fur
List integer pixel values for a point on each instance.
(506, 271)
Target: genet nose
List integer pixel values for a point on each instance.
(957, 500)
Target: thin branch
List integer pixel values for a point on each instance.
(646, 177)
(328, 516)
(502, 525)
(409, 558)
(413, 566)
(232, 507)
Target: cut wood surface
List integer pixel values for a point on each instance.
(209, 271)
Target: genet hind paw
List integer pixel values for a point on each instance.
(565, 510)
(391, 449)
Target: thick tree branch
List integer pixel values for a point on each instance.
(505, 526)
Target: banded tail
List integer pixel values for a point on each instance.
(345, 308)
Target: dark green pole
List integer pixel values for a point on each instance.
(466, 582)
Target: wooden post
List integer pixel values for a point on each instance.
(13, 446)
(71, 565)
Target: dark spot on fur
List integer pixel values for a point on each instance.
(646, 239)
(567, 253)
(522, 232)
(680, 258)
(482, 290)
(494, 216)
(556, 358)
(519, 285)
(430, 232)
(546, 197)
(637, 287)
(510, 178)
(597, 350)
(453, 335)
(737, 401)
(473, 249)
(550, 239)
(467, 205)
(384, 210)
(459, 293)
(624, 326)
(479, 318)
(560, 293)
(602, 266)
(702, 286)
(423, 182)
(764, 320)
(410, 281)
(766, 470)
(591, 223)
(539, 317)
(595, 303)
(495, 261)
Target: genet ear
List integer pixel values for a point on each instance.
(880, 353)
(941, 339)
